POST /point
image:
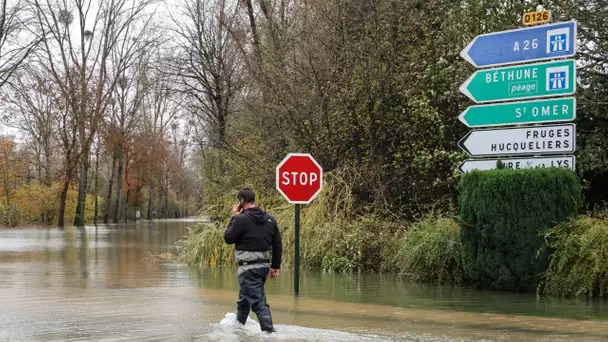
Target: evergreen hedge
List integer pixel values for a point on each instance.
(503, 213)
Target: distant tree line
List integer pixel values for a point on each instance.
(167, 108)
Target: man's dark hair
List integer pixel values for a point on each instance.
(246, 196)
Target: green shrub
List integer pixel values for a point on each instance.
(502, 213)
(578, 265)
(430, 251)
(38, 203)
(89, 214)
(205, 246)
(10, 215)
(359, 244)
(332, 238)
(600, 211)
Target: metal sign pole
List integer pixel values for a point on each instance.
(296, 284)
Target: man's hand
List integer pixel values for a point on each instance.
(274, 272)
(235, 210)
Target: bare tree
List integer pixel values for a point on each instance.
(181, 135)
(124, 115)
(30, 106)
(89, 46)
(16, 42)
(96, 204)
(159, 112)
(208, 63)
(68, 137)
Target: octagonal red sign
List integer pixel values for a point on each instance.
(299, 178)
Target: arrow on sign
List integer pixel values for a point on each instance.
(521, 82)
(517, 113)
(522, 45)
(567, 162)
(520, 140)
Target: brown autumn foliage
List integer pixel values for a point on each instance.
(13, 169)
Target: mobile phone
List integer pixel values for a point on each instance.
(240, 206)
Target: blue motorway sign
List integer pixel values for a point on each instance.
(522, 45)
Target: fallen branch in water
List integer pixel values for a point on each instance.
(161, 258)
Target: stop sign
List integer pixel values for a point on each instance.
(299, 178)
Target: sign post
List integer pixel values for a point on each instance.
(518, 113)
(299, 178)
(567, 162)
(296, 275)
(520, 141)
(526, 71)
(528, 44)
(521, 82)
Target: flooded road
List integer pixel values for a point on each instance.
(95, 284)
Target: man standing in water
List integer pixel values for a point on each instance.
(255, 233)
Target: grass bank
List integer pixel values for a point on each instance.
(338, 236)
(334, 238)
(426, 251)
(578, 265)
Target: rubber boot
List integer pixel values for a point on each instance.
(241, 318)
(266, 323)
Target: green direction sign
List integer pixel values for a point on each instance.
(521, 82)
(517, 113)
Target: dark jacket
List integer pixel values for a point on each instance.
(255, 230)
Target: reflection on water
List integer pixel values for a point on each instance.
(390, 290)
(92, 284)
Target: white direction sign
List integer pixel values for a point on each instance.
(567, 162)
(550, 139)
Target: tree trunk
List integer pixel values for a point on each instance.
(39, 166)
(47, 166)
(6, 185)
(199, 201)
(106, 211)
(127, 205)
(150, 203)
(82, 192)
(185, 206)
(118, 188)
(177, 213)
(254, 32)
(96, 183)
(167, 202)
(89, 175)
(28, 176)
(83, 161)
(62, 198)
(161, 200)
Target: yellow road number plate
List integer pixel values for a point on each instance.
(539, 17)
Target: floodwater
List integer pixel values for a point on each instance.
(95, 283)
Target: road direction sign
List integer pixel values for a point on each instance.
(567, 162)
(521, 82)
(299, 178)
(538, 17)
(522, 45)
(520, 140)
(517, 113)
